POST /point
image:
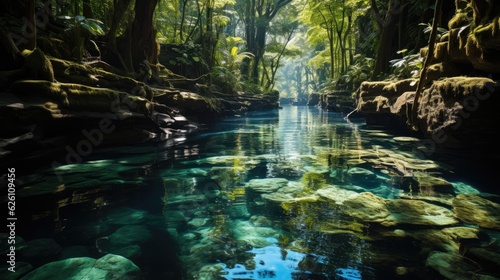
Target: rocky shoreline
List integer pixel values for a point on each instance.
(78, 108)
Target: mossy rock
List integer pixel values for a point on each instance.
(79, 97)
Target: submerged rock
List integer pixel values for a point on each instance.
(363, 177)
(489, 258)
(106, 268)
(431, 185)
(417, 212)
(40, 250)
(263, 193)
(336, 195)
(367, 207)
(21, 268)
(122, 238)
(126, 216)
(447, 239)
(476, 210)
(452, 265)
(267, 185)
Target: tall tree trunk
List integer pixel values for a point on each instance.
(257, 19)
(30, 15)
(385, 48)
(259, 48)
(143, 44)
(249, 17)
(183, 19)
(138, 44)
(119, 7)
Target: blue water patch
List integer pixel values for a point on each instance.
(274, 262)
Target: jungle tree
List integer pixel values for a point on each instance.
(257, 15)
(280, 34)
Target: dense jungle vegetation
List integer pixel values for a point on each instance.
(296, 47)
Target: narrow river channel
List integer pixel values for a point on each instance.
(295, 193)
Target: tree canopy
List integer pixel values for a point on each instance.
(296, 47)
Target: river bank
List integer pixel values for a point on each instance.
(66, 110)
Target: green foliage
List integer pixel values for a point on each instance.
(359, 71)
(225, 79)
(186, 59)
(406, 67)
(78, 31)
(440, 31)
(93, 26)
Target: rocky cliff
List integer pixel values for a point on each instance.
(457, 108)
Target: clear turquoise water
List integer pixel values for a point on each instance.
(189, 215)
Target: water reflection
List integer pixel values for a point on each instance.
(297, 193)
(273, 262)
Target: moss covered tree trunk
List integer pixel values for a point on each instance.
(138, 43)
(144, 45)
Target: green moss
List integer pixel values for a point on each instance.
(459, 19)
(313, 181)
(463, 86)
(79, 97)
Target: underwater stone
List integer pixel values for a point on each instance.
(131, 252)
(264, 192)
(417, 212)
(260, 221)
(267, 185)
(366, 207)
(126, 216)
(41, 249)
(130, 234)
(5, 246)
(21, 268)
(487, 257)
(463, 188)
(451, 265)
(431, 185)
(363, 177)
(293, 188)
(447, 239)
(476, 210)
(123, 237)
(336, 195)
(254, 235)
(89, 231)
(238, 211)
(109, 267)
(197, 222)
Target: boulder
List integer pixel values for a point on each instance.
(40, 250)
(370, 208)
(363, 177)
(123, 237)
(452, 266)
(107, 267)
(477, 210)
